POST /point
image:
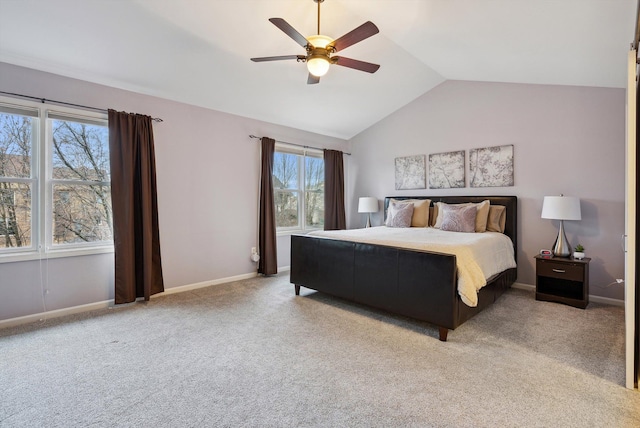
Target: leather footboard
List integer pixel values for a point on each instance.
(413, 283)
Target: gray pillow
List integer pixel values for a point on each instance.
(458, 218)
(399, 215)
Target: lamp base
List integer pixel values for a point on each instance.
(561, 248)
(368, 221)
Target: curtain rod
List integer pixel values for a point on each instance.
(298, 145)
(44, 100)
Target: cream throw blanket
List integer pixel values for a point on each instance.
(478, 255)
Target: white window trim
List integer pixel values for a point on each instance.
(41, 225)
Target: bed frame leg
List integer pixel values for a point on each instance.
(297, 289)
(443, 333)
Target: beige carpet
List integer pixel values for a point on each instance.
(250, 353)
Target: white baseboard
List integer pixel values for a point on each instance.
(592, 298)
(284, 269)
(203, 284)
(11, 322)
(522, 286)
(606, 300)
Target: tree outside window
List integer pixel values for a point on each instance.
(314, 192)
(15, 179)
(80, 183)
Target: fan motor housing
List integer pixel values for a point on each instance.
(320, 53)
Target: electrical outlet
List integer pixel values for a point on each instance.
(254, 254)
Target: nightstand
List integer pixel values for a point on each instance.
(563, 280)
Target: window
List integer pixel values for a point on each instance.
(79, 181)
(298, 182)
(55, 192)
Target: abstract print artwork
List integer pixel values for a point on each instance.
(446, 170)
(411, 172)
(491, 166)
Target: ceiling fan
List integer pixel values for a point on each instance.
(321, 48)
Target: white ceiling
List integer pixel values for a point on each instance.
(197, 51)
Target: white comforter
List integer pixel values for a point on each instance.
(478, 255)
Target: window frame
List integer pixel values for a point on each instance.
(301, 190)
(42, 183)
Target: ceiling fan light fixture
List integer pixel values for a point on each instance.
(318, 55)
(318, 65)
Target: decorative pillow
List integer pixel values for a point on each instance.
(420, 216)
(459, 218)
(399, 215)
(481, 217)
(497, 218)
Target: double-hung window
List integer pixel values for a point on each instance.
(298, 182)
(54, 181)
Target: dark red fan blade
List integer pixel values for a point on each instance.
(354, 63)
(277, 58)
(289, 31)
(312, 80)
(364, 31)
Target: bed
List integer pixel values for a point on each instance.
(416, 283)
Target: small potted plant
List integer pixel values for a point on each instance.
(578, 252)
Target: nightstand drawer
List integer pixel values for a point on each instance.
(568, 271)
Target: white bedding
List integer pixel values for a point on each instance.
(478, 255)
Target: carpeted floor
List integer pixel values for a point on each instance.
(251, 353)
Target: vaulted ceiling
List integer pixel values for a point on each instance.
(197, 51)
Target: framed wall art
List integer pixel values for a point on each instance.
(411, 172)
(491, 166)
(446, 170)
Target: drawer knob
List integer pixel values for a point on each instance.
(559, 270)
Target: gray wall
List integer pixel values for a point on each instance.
(207, 172)
(568, 140)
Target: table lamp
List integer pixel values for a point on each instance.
(368, 205)
(561, 208)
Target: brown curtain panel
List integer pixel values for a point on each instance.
(334, 217)
(138, 268)
(268, 264)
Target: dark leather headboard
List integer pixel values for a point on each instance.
(510, 202)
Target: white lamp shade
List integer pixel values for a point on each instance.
(561, 208)
(368, 204)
